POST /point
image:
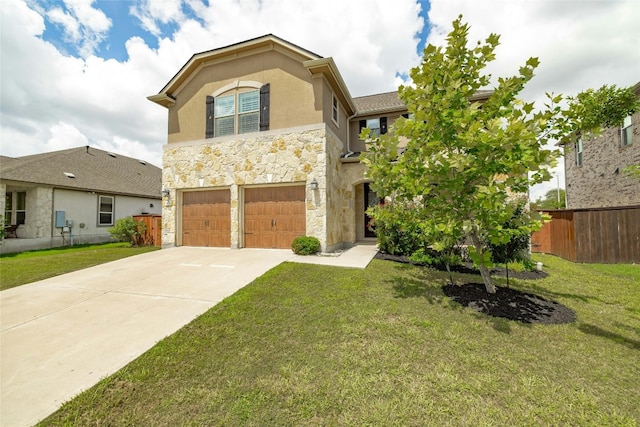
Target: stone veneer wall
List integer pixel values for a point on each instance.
(40, 211)
(3, 199)
(596, 183)
(290, 156)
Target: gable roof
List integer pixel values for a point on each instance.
(267, 42)
(92, 170)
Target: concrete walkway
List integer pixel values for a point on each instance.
(62, 335)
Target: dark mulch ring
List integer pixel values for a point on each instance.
(468, 268)
(510, 304)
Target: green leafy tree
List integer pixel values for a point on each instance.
(464, 159)
(550, 200)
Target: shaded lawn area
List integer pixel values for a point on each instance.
(27, 267)
(316, 345)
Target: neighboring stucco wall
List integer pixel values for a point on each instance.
(293, 97)
(82, 208)
(600, 182)
(293, 156)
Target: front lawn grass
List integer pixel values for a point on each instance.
(316, 345)
(26, 267)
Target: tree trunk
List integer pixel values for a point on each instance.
(484, 271)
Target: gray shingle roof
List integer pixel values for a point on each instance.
(94, 170)
(389, 101)
(378, 103)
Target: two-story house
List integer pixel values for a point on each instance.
(595, 169)
(263, 147)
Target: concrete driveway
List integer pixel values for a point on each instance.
(61, 335)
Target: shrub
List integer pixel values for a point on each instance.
(396, 232)
(305, 245)
(128, 230)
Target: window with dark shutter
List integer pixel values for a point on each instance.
(264, 107)
(363, 124)
(209, 117)
(383, 125)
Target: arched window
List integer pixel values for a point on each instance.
(241, 107)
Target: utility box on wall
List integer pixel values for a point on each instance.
(60, 219)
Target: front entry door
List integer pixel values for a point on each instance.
(371, 199)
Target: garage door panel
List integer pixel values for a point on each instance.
(274, 216)
(206, 218)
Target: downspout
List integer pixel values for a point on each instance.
(349, 132)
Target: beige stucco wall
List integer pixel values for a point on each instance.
(358, 145)
(295, 97)
(596, 183)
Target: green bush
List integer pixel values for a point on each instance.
(305, 245)
(128, 230)
(396, 233)
(517, 248)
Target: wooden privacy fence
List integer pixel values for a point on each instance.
(152, 236)
(605, 235)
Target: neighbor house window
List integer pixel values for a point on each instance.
(626, 132)
(579, 152)
(15, 208)
(105, 210)
(334, 110)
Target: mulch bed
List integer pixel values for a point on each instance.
(510, 304)
(468, 268)
(506, 303)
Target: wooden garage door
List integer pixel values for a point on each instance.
(206, 218)
(274, 216)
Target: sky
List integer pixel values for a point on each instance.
(77, 72)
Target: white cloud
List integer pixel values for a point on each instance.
(83, 25)
(47, 95)
(52, 99)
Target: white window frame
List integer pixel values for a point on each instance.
(579, 160)
(335, 110)
(375, 130)
(626, 132)
(101, 212)
(11, 214)
(236, 114)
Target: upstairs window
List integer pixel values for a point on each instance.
(579, 152)
(626, 132)
(377, 125)
(335, 110)
(229, 120)
(242, 111)
(374, 125)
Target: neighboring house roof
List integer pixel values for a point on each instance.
(91, 170)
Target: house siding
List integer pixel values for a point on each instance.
(292, 98)
(600, 181)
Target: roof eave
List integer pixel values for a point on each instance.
(328, 68)
(162, 99)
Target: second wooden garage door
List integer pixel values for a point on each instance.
(206, 218)
(274, 216)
